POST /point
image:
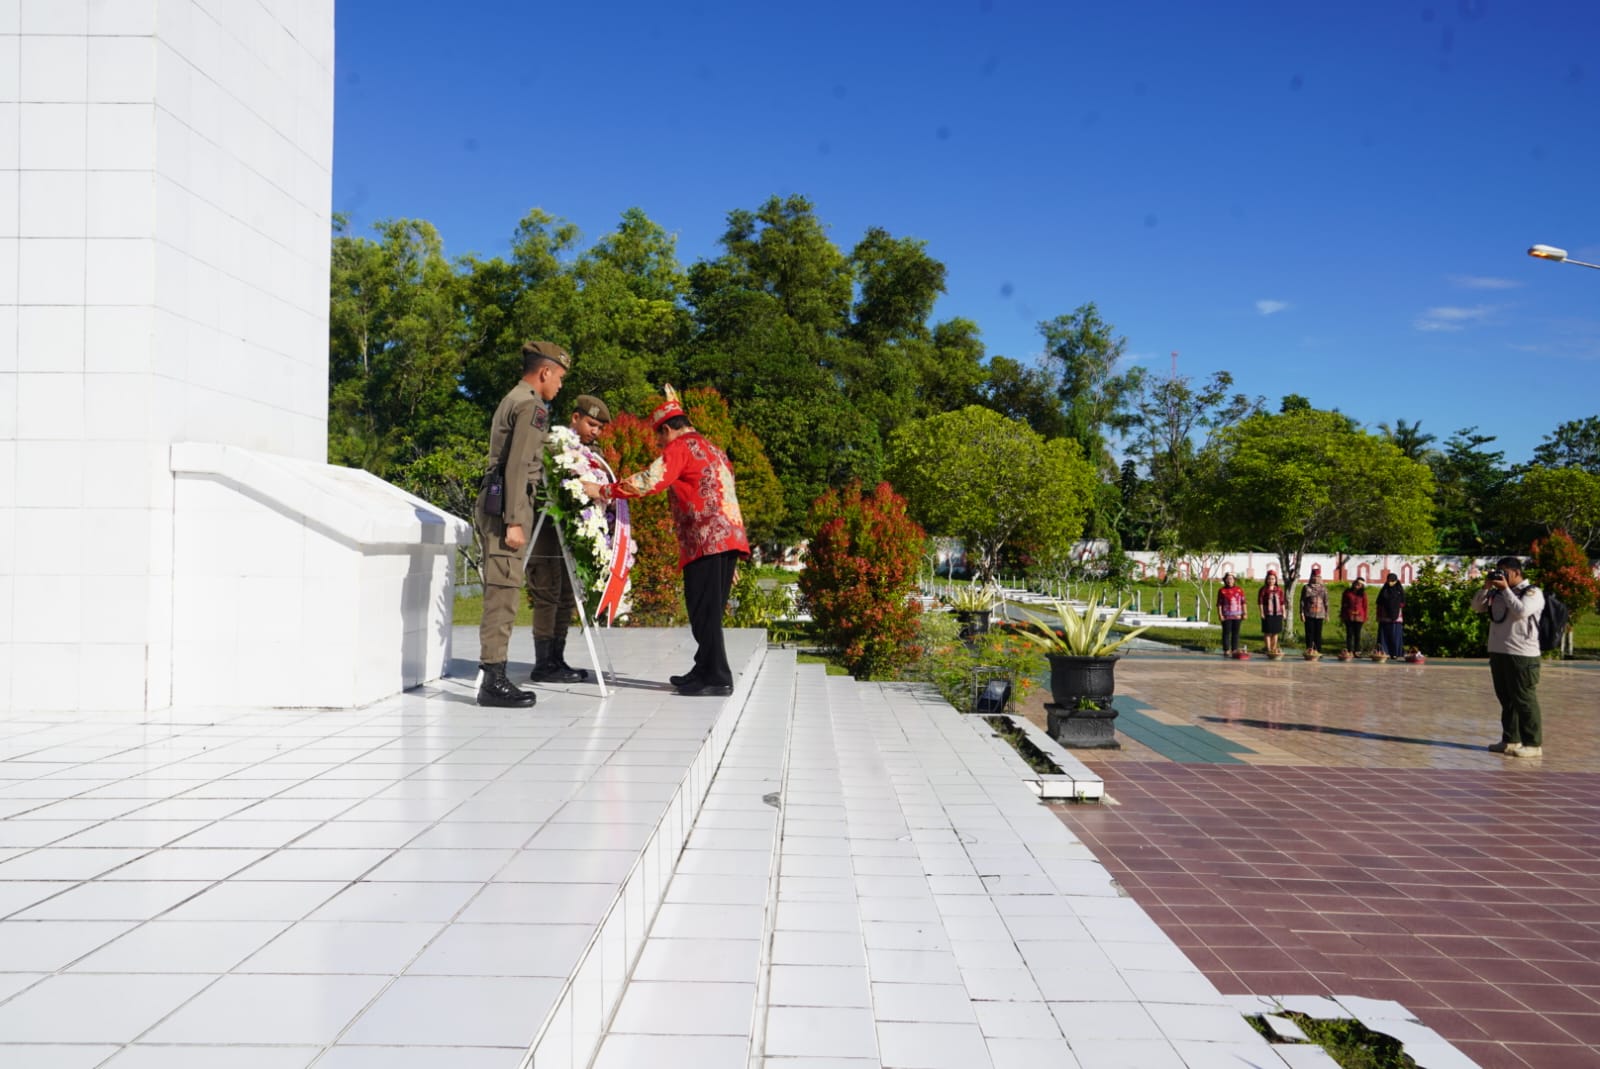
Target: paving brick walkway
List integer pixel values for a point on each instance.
(1374, 848)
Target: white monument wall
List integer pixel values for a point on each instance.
(165, 197)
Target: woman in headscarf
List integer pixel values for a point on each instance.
(1391, 617)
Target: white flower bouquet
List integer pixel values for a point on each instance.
(592, 530)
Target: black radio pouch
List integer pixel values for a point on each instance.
(494, 491)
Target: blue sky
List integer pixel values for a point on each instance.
(1326, 199)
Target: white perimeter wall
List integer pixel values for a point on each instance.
(165, 190)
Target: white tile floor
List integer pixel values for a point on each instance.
(814, 873)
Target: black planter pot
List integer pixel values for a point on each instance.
(973, 622)
(1072, 678)
(1083, 729)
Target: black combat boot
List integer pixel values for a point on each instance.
(548, 667)
(497, 690)
(542, 667)
(558, 657)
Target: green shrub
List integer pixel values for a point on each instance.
(1439, 619)
(951, 665)
(758, 602)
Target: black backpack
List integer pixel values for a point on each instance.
(1552, 623)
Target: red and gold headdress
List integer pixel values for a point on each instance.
(667, 409)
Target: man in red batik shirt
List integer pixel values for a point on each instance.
(711, 538)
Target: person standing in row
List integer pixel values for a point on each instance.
(1232, 608)
(554, 600)
(711, 537)
(1391, 617)
(1513, 606)
(505, 511)
(1274, 605)
(1353, 611)
(1314, 608)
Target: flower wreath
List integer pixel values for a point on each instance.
(592, 531)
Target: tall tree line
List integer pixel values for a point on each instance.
(830, 361)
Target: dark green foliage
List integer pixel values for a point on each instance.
(1439, 619)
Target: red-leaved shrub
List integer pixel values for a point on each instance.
(1560, 568)
(860, 569)
(629, 446)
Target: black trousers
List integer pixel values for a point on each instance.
(706, 583)
(1516, 684)
(1352, 635)
(1313, 626)
(1230, 635)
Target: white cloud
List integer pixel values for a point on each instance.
(1267, 308)
(1481, 282)
(1449, 318)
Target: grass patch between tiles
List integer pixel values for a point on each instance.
(1347, 1041)
(1036, 758)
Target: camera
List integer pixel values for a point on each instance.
(1495, 575)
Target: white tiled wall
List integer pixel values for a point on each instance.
(165, 178)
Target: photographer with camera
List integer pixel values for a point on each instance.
(1513, 605)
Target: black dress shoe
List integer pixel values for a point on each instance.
(696, 689)
(687, 677)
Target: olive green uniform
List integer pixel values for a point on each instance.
(553, 598)
(517, 433)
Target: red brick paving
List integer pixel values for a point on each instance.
(1472, 897)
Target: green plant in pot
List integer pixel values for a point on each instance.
(972, 605)
(1081, 647)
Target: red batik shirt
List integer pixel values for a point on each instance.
(699, 482)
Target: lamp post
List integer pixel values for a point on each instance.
(1550, 252)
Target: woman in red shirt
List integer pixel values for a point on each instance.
(1274, 606)
(1353, 611)
(1232, 608)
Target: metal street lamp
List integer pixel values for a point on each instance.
(1550, 252)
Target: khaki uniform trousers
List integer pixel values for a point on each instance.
(553, 598)
(502, 588)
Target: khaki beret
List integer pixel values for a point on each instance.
(549, 350)
(592, 407)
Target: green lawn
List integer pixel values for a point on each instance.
(1585, 639)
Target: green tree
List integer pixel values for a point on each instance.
(1029, 394)
(1575, 444)
(992, 482)
(813, 442)
(772, 309)
(627, 320)
(1566, 499)
(395, 347)
(1303, 481)
(1409, 439)
(1468, 498)
(532, 294)
(1169, 413)
(1084, 348)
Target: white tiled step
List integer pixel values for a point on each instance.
(691, 998)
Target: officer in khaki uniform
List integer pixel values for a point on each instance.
(553, 597)
(516, 446)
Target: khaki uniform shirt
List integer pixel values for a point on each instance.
(517, 433)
